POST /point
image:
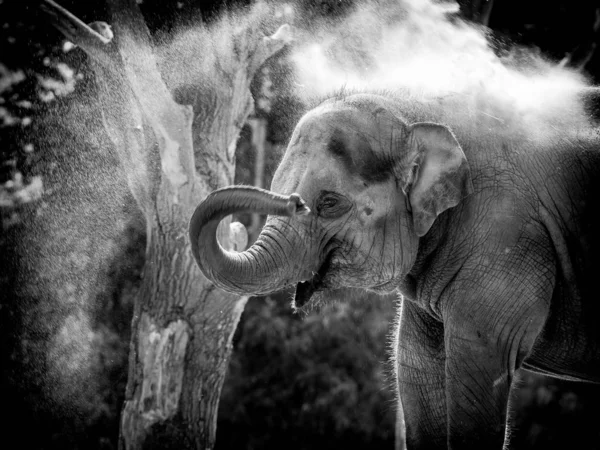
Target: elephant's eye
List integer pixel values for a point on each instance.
(328, 202)
(332, 205)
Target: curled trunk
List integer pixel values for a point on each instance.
(260, 269)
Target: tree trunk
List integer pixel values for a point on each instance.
(182, 325)
(181, 343)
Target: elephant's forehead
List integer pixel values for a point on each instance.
(359, 140)
(308, 172)
(321, 124)
(333, 146)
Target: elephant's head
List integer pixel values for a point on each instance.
(357, 188)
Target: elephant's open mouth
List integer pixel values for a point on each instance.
(306, 289)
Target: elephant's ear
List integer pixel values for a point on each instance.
(438, 175)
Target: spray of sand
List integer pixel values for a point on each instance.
(80, 229)
(69, 245)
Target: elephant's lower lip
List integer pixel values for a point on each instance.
(305, 289)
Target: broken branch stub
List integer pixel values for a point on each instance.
(75, 30)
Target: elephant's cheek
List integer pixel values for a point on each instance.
(397, 245)
(408, 246)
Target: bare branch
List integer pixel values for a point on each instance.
(93, 43)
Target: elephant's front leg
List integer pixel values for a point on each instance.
(421, 378)
(478, 383)
(485, 343)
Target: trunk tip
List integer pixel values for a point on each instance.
(297, 206)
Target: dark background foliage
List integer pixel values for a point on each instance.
(295, 381)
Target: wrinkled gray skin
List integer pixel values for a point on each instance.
(490, 236)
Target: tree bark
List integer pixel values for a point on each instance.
(182, 325)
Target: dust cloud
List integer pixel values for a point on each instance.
(424, 49)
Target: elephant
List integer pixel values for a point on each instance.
(488, 231)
